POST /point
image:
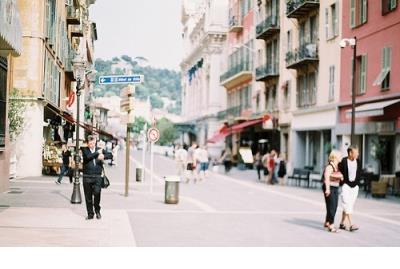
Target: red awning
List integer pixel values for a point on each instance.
(239, 127)
(221, 134)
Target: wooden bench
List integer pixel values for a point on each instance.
(300, 175)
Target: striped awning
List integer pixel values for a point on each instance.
(10, 28)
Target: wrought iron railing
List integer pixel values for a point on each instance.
(243, 66)
(305, 51)
(293, 5)
(270, 22)
(271, 69)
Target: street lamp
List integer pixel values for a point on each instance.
(79, 74)
(353, 43)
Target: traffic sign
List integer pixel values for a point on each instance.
(127, 104)
(132, 79)
(153, 134)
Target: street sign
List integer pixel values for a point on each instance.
(153, 134)
(127, 104)
(127, 91)
(132, 79)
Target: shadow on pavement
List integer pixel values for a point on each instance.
(306, 223)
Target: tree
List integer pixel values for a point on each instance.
(156, 101)
(168, 133)
(138, 125)
(16, 114)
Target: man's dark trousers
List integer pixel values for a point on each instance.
(92, 190)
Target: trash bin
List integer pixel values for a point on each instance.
(172, 189)
(139, 174)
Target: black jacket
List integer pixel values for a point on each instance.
(90, 167)
(343, 168)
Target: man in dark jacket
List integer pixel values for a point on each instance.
(93, 160)
(350, 167)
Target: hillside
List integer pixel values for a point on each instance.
(158, 83)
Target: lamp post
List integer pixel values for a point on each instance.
(79, 73)
(353, 43)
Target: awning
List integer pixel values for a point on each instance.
(239, 127)
(10, 28)
(372, 109)
(221, 134)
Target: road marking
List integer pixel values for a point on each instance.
(225, 212)
(160, 179)
(302, 199)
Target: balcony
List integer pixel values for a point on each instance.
(77, 31)
(68, 67)
(236, 75)
(73, 16)
(305, 54)
(299, 8)
(266, 72)
(230, 113)
(267, 28)
(235, 24)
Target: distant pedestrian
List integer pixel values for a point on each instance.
(350, 167)
(115, 151)
(258, 164)
(66, 164)
(191, 165)
(226, 159)
(265, 160)
(201, 157)
(331, 180)
(93, 160)
(272, 167)
(180, 158)
(281, 164)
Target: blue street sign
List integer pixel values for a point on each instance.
(132, 79)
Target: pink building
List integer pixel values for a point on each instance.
(376, 26)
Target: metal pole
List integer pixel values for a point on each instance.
(144, 150)
(76, 197)
(127, 160)
(353, 94)
(151, 166)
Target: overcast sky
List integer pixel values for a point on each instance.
(147, 28)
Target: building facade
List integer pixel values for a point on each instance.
(376, 26)
(44, 73)
(204, 33)
(10, 47)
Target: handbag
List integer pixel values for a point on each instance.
(105, 183)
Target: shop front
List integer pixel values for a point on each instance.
(377, 134)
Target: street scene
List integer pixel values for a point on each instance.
(199, 123)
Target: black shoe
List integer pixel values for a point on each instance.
(98, 215)
(342, 227)
(89, 217)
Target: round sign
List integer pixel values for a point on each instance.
(153, 134)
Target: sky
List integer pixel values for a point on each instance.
(147, 28)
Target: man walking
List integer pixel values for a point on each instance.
(66, 164)
(93, 160)
(350, 167)
(180, 158)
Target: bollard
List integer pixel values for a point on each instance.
(172, 189)
(139, 174)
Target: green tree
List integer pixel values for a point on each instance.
(138, 125)
(168, 133)
(156, 101)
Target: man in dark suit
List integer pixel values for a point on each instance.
(350, 167)
(93, 160)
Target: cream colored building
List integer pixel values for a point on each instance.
(204, 34)
(53, 33)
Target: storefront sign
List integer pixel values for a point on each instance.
(385, 127)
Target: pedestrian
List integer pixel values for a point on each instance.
(331, 179)
(201, 157)
(226, 159)
(191, 165)
(66, 164)
(115, 151)
(180, 158)
(272, 167)
(264, 160)
(281, 164)
(350, 167)
(93, 161)
(258, 164)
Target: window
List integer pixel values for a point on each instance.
(331, 83)
(3, 101)
(358, 12)
(52, 81)
(361, 74)
(306, 90)
(51, 21)
(286, 95)
(331, 21)
(383, 78)
(388, 6)
(270, 99)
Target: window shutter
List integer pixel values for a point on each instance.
(363, 76)
(352, 13)
(393, 4)
(326, 23)
(388, 57)
(364, 11)
(336, 29)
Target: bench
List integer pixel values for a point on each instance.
(300, 175)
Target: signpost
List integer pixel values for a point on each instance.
(127, 105)
(153, 134)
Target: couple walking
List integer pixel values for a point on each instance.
(344, 173)
(192, 163)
